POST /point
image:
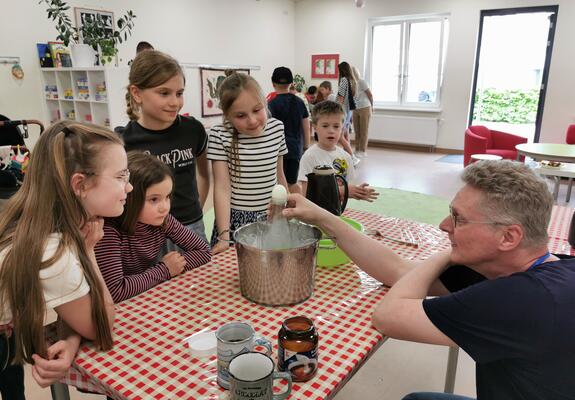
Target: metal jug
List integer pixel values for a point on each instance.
(323, 190)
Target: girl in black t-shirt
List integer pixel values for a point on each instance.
(154, 98)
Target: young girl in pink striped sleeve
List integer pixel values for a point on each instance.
(129, 253)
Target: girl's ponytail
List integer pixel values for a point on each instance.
(131, 107)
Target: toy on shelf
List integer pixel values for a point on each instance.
(71, 114)
(51, 92)
(83, 90)
(101, 94)
(68, 94)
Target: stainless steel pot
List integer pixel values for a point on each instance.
(276, 277)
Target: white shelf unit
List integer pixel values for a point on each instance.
(94, 95)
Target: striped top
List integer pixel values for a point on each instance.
(129, 263)
(253, 180)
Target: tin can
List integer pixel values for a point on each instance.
(298, 348)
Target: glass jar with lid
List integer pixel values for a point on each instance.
(298, 348)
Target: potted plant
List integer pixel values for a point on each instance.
(93, 32)
(299, 83)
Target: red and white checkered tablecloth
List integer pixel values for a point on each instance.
(150, 361)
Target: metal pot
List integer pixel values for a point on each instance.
(276, 277)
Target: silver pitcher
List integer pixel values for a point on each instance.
(276, 277)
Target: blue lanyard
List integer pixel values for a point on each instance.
(539, 261)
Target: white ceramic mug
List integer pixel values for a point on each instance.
(252, 376)
(235, 338)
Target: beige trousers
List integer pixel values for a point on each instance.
(361, 117)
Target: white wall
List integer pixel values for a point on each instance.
(336, 26)
(246, 32)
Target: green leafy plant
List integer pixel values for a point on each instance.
(512, 106)
(299, 83)
(94, 30)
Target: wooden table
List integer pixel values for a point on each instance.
(149, 360)
(547, 151)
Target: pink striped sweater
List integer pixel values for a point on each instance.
(129, 263)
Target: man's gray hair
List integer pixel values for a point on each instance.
(513, 195)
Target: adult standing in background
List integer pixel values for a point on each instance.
(347, 86)
(362, 114)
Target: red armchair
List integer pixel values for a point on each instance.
(570, 136)
(481, 140)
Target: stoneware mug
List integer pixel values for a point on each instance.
(252, 376)
(236, 338)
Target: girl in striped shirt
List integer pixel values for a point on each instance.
(246, 153)
(128, 255)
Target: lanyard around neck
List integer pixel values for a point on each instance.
(539, 261)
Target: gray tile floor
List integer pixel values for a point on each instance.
(398, 367)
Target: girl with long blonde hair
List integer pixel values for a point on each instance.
(347, 86)
(247, 157)
(77, 175)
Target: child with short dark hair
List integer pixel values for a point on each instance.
(327, 120)
(128, 253)
(311, 94)
(290, 110)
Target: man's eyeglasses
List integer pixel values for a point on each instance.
(457, 220)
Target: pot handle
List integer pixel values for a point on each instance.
(345, 191)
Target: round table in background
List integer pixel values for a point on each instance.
(491, 157)
(547, 151)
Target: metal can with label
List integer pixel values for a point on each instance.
(298, 348)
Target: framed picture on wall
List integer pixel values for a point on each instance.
(324, 66)
(84, 14)
(210, 81)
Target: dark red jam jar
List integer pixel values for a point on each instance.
(297, 348)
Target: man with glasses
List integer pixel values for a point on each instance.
(501, 296)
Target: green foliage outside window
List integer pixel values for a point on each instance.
(511, 106)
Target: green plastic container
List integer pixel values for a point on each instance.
(327, 257)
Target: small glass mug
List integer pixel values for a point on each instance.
(252, 376)
(236, 338)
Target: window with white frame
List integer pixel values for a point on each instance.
(405, 61)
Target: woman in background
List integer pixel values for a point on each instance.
(362, 114)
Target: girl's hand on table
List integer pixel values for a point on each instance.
(220, 247)
(175, 263)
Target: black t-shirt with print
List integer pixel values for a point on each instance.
(178, 147)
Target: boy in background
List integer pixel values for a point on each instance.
(327, 120)
(292, 111)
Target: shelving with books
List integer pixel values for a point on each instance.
(86, 94)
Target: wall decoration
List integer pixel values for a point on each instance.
(211, 79)
(324, 66)
(106, 16)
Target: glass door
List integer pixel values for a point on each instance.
(512, 68)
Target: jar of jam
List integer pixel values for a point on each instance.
(297, 348)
